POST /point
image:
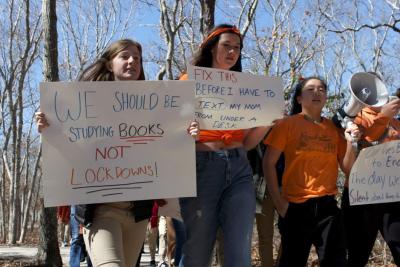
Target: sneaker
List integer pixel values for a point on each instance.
(152, 263)
(163, 264)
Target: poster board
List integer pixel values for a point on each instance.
(228, 100)
(117, 141)
(375, 176)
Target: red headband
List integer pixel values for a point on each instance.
(220, 31)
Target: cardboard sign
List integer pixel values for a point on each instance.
(228, 100)
(117, 141)
(375, 176)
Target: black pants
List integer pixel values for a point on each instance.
(317, 222)
(362, 224)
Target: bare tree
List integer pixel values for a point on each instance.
(207, 16)
(179, 19)
(29, 204)
(248, 8)
(171, 20)
(365, 48)
(392, 24)
(284, 47)
(19, 51)
(88, 27)
(49, 251)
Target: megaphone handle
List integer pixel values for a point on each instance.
(354, 142)
(351, 138)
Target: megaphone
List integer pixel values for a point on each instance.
(366, 90)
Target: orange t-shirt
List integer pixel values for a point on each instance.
(312, 151)
(217, 135)
(376, 127)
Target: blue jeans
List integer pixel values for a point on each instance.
(76, 249)
(180, 238)
(225, 199)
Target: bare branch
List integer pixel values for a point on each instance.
(391, 26)
(250, 15)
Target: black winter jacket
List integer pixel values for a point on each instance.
(141, 210)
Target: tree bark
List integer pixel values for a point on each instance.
(2, 211)
(27, 206)
(170, 25)
(50, 62)
(207, 17)
(49, 251)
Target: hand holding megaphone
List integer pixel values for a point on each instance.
(391, 108)
(352, 133)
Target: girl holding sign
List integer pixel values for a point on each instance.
(225, 190)
(313, 149)
(114, 232)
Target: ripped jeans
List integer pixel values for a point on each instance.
(225, 199)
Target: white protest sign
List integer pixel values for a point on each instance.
(117, 141)
(375, 176)
(234, 100)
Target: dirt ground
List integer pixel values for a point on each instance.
(381, 255)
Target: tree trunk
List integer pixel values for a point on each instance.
(49, 251)
(12, 175)
(207, 16)
(50, 62)
(27, 206)
(17, 124)
(35, 210)
(170, 25)
(2, 212)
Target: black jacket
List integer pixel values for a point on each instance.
(141, 210)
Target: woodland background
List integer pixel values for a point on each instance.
(55, 40)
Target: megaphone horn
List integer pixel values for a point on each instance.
(366, 90)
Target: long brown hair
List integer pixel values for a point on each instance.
(98, 71)
(203, 57)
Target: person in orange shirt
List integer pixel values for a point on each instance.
(362, 222)
(225, 191)
(313, 148)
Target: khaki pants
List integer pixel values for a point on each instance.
(152, 234)
(114, 239)
(64, 233)
(171, 242)
(265, 229)
(162, 239)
